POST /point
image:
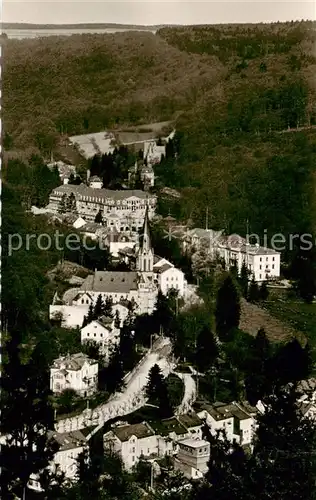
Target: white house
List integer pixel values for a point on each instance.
(131, 442)
(192, 458)
(71, 445)
(169, 277)
(262, 262)
(236, 419)
(103, 332)
(77, 372)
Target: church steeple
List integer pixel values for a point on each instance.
(145, 238)
(145, 257)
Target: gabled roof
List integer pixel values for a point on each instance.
(163, 268)
(125, 432)
(73, 362)
(190, 420)
(168, 425)
(111, 282)
(68, 440)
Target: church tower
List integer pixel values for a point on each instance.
(145, 255)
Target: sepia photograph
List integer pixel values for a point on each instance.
(158, 250)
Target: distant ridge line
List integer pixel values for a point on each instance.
(27, 26)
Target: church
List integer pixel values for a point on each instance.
(140, 286)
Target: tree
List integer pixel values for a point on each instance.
(62, 207)
(206, 349)
(117, 320)
(66, 401)
(98, 308)
(114, 373)
(162, 314)
(71, 205)
(108, 307)
(98, 218)
(26, 417)
(258, 379)
(263, 292)
(155, 384)
(283, 463)
(90, 316)
(227, 309)
(254, 292)
(243, 280)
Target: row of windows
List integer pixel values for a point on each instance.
(267, 266)
(267, 258)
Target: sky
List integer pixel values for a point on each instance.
(151, 12)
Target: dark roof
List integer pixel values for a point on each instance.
(104, 194)
(163, 268)
(111, 282)
(68, 440)
(125, 432)
(168, 425)
(190, 420)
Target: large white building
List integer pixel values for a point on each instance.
(238, 420)
(263, 263)
(77, 372)
(132, 442)
(152, 440)
(122, 210)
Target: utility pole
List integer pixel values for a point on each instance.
(206, 219)
(152, 477)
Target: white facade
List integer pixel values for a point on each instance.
(122, 210)
(263, 263)
(105, 335)
(193, 457)
(238, 423)
(169, 277)
(77, 372)
(132, 442)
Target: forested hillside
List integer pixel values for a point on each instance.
(234, 91)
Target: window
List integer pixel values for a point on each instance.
(101, 335)
(272, 266)
(259, 276)
(88, 334)
(82, 301)
(260, 267)
(260, 259)
(267, 266)
(267, 258)
(273, 259)
(133, 450)
(133, 459)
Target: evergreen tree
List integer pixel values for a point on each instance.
(108, 307)
(227, 309)
(290, 363)
(283, 463)
(98, 218)
(117, 320)
(155, 383)
(243, 280)
(258, 378)
(263, 292)
(206, 349)
(114, 372)
(90, 316)
(62, 207)
(127, 348)
(98, 308)
(26, 417)
(71, 205)
(254, 292)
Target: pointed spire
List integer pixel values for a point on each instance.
(146, 241)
